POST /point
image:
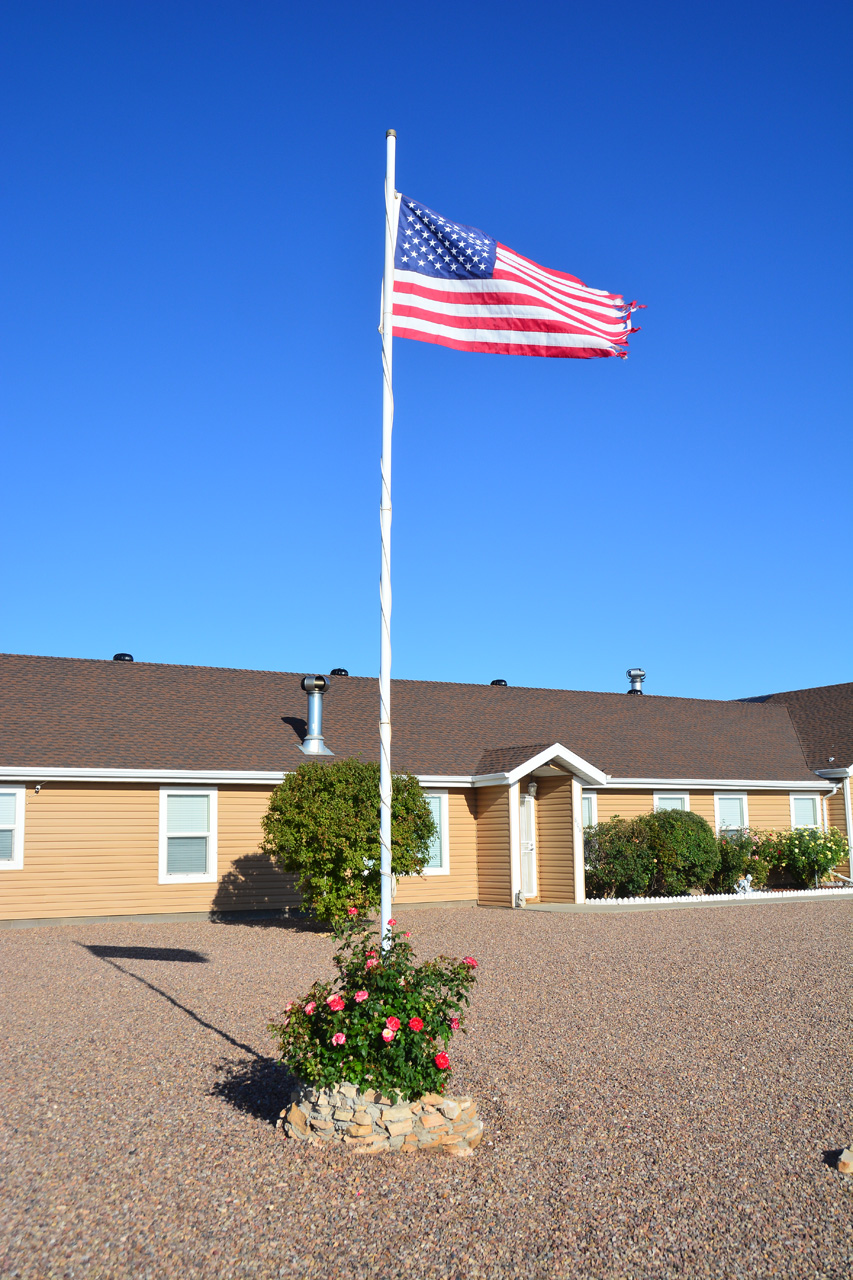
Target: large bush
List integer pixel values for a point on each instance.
(807, 855)
(683, 848)
(657, 854)
(384, 1022)
(743, 853)
(323, 826)
(617, 859)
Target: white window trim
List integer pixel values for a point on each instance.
(730, 795)
(816, 800)
(212, 874)
(671, 795)
(593, 797)
(16, 862)
(444, 824)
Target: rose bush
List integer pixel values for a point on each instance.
(383, 1023)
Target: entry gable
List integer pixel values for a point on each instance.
(508, 765)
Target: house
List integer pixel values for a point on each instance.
(137, 789)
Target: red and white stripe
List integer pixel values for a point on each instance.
(524, 310)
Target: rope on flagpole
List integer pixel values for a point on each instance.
(385, 778)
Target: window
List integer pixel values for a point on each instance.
(439, 862)
(731, 812)
(672, 800)
(589, 808)
(12, 804)
(805, 811)
(187, 836)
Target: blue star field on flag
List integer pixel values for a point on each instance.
(434, 246)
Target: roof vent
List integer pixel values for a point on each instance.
(313, 744)
(122, 657)
(339, 671)
(636, 675)
(502, 683)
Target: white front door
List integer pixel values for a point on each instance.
(528, 846)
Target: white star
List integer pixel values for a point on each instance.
(404, 258)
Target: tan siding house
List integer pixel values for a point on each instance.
(136, 789)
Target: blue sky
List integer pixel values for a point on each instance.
(192, 254)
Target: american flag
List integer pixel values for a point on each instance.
(457, 286)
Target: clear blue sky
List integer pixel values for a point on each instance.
(192, 253)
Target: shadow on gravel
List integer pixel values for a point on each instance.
(148, 953)
(260, 1088)
(176, 1004)
(832, 1157)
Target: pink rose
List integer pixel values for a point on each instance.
(338, 1039)
(416, 1024)
(335, 1003)
(393, 1023)
(454, 1024)
(288, 1006)
(407, 935)
(388, 1035)
(372, 963)
(392, 922)
(470, 961)
(352, 911)
(310, 1007)
(359, 996)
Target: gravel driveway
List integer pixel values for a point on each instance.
(664, 1092)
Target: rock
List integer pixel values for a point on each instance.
(324, 1126)
(433, 1121)
(363, 1117)
(348, 1090)
(459, 1153)
(395, 1113)
(396, 1144)
(360, 1130)
(845, 1161)
(298, 1120)
(450, 1109)
(373, 1111)
(324, 1109)
(469, 1113)
(465, 1101)
(451, 1139)
(397, 1128)
(435, 1099)
(343, 1113)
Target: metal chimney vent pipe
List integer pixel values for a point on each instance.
(636, 675)
(313, 744)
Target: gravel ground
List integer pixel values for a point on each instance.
(665, 1095)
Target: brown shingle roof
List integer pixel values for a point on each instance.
(823, 718)
(71, 712)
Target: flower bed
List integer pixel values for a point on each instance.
(369, 1121)
(760, 895)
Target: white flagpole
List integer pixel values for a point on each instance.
(385, 527)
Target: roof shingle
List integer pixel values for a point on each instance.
(73, 712)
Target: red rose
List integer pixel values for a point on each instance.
(416, 1024)
(470, 961)
(335, 1003)
(393, 1023)
(442, 1061)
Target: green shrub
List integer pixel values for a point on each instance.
(683, 848)
(807, 854)
(323, 826)
(618, 861)
(743, 853)
(384, 1022)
